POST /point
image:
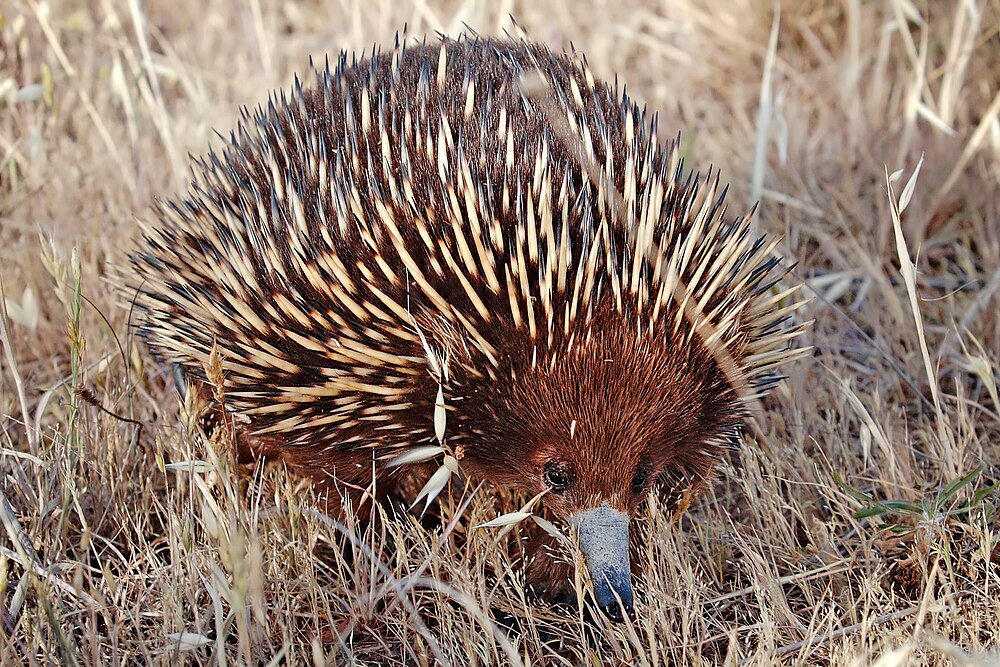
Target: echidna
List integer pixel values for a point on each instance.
(421, 221)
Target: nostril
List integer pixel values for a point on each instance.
(615, 607)
(614, 612)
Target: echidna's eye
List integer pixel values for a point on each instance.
(555, 476)
(641, 478)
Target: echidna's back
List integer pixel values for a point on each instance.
(420, 208)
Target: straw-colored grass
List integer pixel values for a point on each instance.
(859, 527)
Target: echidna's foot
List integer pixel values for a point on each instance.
(562, 599)
(548, 575)
(394, 508)
(359, 532)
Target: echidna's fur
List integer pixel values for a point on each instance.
(413, 221)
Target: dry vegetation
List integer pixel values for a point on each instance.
(863, 529)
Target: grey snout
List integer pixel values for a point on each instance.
(604, 542)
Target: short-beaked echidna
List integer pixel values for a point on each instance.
(422, 220)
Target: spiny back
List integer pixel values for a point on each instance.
(419, 219)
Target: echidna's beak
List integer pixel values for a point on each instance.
(604, 542)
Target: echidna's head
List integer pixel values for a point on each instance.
(600, 425)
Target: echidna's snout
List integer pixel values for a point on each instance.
(603, 534)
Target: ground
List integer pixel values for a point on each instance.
(857, 524)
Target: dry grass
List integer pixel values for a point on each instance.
(863, 530)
